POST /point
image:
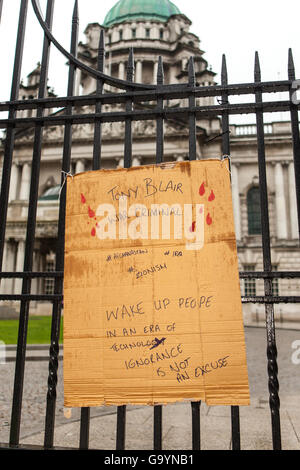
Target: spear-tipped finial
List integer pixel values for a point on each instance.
(224, 75)
(75, 17)
(291, 66)
(101, 51)
(257, 72)
(130, 66)
(160, 71)
(191, 70)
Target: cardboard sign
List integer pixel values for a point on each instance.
(152, 304)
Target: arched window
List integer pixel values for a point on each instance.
(254, 215)
(51, 194)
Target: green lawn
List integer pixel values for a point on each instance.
(39, 330)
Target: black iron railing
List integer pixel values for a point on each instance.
(131, 95)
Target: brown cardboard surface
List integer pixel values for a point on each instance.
(152, 315)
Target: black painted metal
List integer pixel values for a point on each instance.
(271, 339)
(132, 98)
(58, 289)
(196, 430)
(235, 416)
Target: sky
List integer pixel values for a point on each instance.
(234, 28)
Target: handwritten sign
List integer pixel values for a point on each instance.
(152, 305)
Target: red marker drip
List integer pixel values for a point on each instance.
(193, 227)
(212, 197)
(83, 200)
(209, 219)
(202, 189)
(93, 232)
(91, 213)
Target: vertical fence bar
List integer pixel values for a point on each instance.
(160, 119)
(10, 131)
(193, 156)
(84, 429)
(121, 414)
(295, 131)
(196, 431)
(121, 428)
(30, 238)
(99, 91)
(192, 116)
(235, 412)
(270, 323)
(157, 428)
(58, 287)
(157, 416)
(128, 122)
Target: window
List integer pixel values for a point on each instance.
(51, 194)
(249, 284)
(109, 39)
(49, 283)
(121, 35)
(254, 215)
(133, 31)
(147, 33)
(161, 34)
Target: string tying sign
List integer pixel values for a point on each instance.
(152, 304)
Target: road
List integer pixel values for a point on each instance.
(36, 376)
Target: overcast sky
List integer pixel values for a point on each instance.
(232, 27)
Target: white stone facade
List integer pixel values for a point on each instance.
(175, 43)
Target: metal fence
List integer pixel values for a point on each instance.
(129, 95)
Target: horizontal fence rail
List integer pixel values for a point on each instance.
(139, 103)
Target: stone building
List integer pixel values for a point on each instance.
(155, 28)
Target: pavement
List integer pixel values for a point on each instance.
(255, 421)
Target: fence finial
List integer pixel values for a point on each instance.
(130, 66)
(224, 74)
(257, 71)
(101, 52)
(192, 77)
(291, 66)
(76, 12)
(160, 71)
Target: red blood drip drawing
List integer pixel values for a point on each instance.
(93, 232)
(193, 227)
(91, 213)
(209, 219)
(212, 197)
(202, 189)
(83, 200)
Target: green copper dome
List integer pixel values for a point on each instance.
(126, 10)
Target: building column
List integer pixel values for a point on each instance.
(139, 72)
(236, 201)
(80, 167)
(293, 202)
(19, 266)
(13, 189)
(78, 82)
(121, 71)
(136, 161)
(281, 215)
(3, 287)
(120, 163)
(155, 69)
(9, 267)
(25, 182)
